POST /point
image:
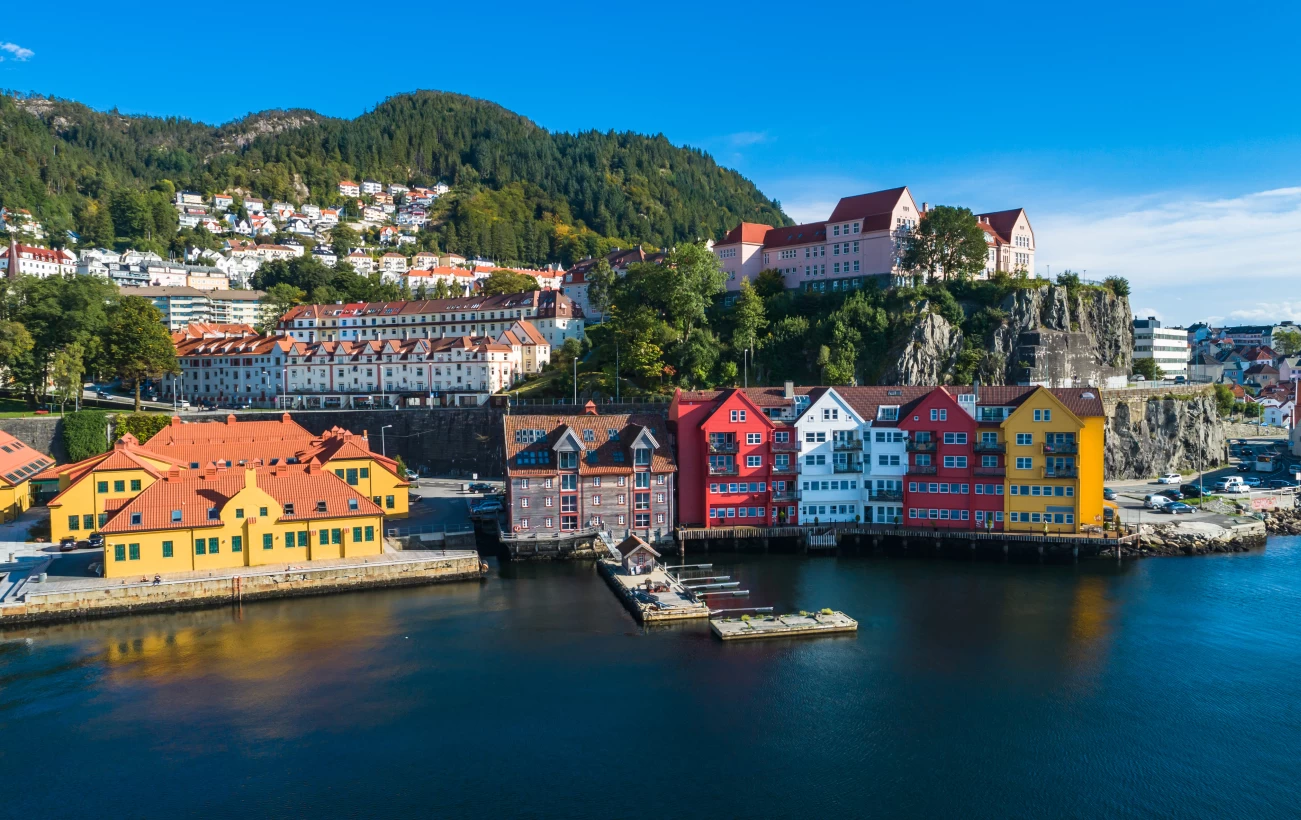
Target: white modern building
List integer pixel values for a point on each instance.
(831, 479)
(1167, 345)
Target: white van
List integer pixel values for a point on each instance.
(1154, 501)
(1231, 484)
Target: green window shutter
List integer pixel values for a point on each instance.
(135, 485)
(356, 535)
(289, 540)
(339, 473)
(365, 472)
(103, 519)
(213, 543)
(101, 487)
(119, 486)
(239, 512)
(88, 522)
(119, 552)
(370, 533)
(378, 501)
(237, 543)
(74, 522)
(337, 535)
(135, 552)
(167, 549)
(262, 512)
(352, 477)
(268, 541)
(200, 546)
(324, 537)
(302, 538)
(388, 502)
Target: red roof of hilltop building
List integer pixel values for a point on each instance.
(18, 462)
(750, 233)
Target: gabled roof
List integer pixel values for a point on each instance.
(632, 544)
(606, 441)
(796, 235)
(18, 462)
(736, 395)
(864, 206)
(750, 233)
(1003, 222)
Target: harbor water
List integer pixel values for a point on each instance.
(1157, 688)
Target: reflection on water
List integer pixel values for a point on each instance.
(973, 689)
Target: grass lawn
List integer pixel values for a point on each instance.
(13, 408)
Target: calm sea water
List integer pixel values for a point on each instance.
(1160, 688)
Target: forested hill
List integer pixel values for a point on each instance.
(519, 190)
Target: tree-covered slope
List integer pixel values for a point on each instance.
(520, 191)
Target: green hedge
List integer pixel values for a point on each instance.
(85, 433)
(143, 426)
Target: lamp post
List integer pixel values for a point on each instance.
(575, 380)
(383, 450)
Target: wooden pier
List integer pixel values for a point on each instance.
(676, 603)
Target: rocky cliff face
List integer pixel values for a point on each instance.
(927, 354)
(1146, 438)
(1053, 338)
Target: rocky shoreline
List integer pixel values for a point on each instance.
(1283, 522)
(1196, 538)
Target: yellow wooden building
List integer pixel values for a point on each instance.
(219, 518)
(19, 464)
(90, 490)
(1054, 464)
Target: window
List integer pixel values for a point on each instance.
(119, 552)
(1043, 415)
(641, 520)
(239, 512)
(958, 462)
(302, 538)
(781, 437)
(135, 552)
(989, 461)
(74, 522)
(135, 519)
(356, 535)
(167, 549)
(568, 461)
(119, 486)
(754, 461)
(365, 472)
(101, 486)
(352, 504)
(370, 533)
(939, 415)
(268, 541)
(135, 485)
(388, 502)
(213, 514)
(336, 536)
(289, 508)
(955, 438)
(1024, 463)
(754, 438)
(237, 543)
(1022, 439)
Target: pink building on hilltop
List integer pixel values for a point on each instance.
(864, 238)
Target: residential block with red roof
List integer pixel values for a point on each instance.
(19, 464)
(575, 475)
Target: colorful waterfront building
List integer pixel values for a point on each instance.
(570, 475)
(1055, 461)
(217, 517)
(949, 485)
(19, 464)
(89, 491)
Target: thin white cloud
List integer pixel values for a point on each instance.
(1269, 311)
(1228, 254)
(1143, 313)
(742, 139)
(19, 53)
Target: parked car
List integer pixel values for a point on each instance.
(1170, 478)
(1173, 495)
(1154, 501)
(1232, 484)
(481, 487)
(412, 475)
(96, 540)
(1191, 491)
(100, 394)
(1177, 508)
(1280, 483)
(67, 543)
(487, 508)
(1108, 494)
(1252, 481)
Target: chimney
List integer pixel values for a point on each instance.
(284, 419)
(174, 473)
(788, 391)
(176, 420)
(250, 477)
(230, 418)
(923, 207)
(589, 409)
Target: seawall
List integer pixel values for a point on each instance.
(98, 598)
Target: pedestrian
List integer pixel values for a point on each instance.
(158, 579)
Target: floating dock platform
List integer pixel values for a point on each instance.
(674, 603)
(782, 626)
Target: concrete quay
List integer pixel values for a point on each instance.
(74, 598)
(782, 626)
(674, 604)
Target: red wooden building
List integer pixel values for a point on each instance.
(949, 484)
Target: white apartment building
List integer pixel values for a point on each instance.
(1167, 345)
(29, 260)
(551, 312)
(831, 461)
(231, 370)
(183, 305)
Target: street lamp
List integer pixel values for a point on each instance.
(383, 450)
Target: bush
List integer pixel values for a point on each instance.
(85, 433)
(1118, 285)
(143, 426)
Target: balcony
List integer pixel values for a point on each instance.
(886, 495)
(926, 446)
(991, 447)
(921, 469)
(1062, 472)
(1061, 448)
(784, 469)
(991, 471)
(785, 446)
(722, 446)
(722, 469)
(848, 467)
(790, 494)
(846, 445)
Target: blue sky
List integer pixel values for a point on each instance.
(1155, 141)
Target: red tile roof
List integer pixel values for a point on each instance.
(1002, 222)
(193, 495)
(863, 206)
(796, 235)
(609, 437)
(752, 233)
(18, 462)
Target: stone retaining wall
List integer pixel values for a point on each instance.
(187, 594)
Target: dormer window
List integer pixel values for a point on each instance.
(888, 413)
(213, 514)
(320, 506)
(641, 457)
(352, 503)
(568, 460)
(176, 516)
(289, 508)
